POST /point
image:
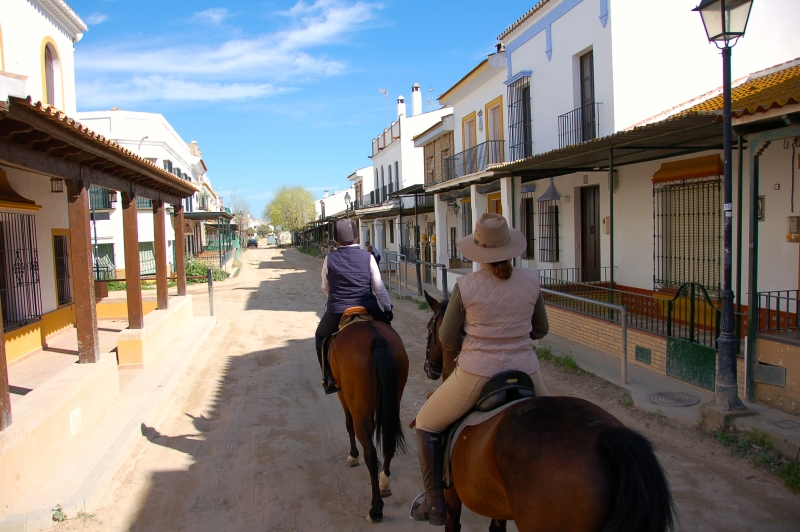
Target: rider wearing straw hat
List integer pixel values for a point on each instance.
(501, 312)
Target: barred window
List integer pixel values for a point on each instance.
(528, 225)
(50, 74)
(20, 290)
(687, 229)
(144, 203)
(147, 258)
(104, 262)
(548, 231)
(520, 143)
(61, 255)
(98, 198)
(391, 231)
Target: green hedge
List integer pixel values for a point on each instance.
(199, 267)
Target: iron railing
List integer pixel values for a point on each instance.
(410, 275)
(778, 313)
(412, 253)
(473, 160)
(424, 200)
(577, 275)
(692, 316)
(20, 290)
(579, 125)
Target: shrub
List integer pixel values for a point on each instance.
(196, 267)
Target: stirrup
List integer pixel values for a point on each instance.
(418, 501)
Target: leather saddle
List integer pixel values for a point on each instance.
(497, 394)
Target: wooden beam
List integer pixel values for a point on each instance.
(180, 249)
(160, 233)
(30, 160)
(133, 279)
(5, 397)
(81, 259)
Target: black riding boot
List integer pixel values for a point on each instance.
(328, 382)
(430, 506)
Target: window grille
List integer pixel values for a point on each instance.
(104, 262)
(147, 258)
(528, 213)
(519, 119)
(391, 231)
(144, 203)
(61, 253)
(397, 174)
(548, 231)
(49, 75)
(687, 229)
(20, 290)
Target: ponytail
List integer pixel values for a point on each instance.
(502, 269)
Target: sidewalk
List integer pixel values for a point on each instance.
(782, 429)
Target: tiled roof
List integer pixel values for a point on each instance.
(761, 92)
(531, 12)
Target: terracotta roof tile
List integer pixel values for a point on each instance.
(524, 18)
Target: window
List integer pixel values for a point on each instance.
(519, 119)
(452, 244)
(466, 219)
(100, 216)
(168, 165)
(61, 259)
(688, 234)
(20, 290)
(548, 231)
(390, 178)
(49, 76)
(397, 175)
(382, 191)
(588, 118)
(147, 258)
(98, 198)
(429, 177)
(391, 231)
(527, 213)
(144, 203)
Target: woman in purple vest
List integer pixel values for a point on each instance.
(350, 275)
(501, 312)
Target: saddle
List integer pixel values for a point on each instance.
(499, 393)
(349, 316)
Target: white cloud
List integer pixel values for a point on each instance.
(237, 68)
(215, 15)
(96, 18)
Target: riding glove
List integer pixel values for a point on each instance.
(388, 315)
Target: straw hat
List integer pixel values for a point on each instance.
(492, 240)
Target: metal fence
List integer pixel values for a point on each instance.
(473, 160)
(579, 125)
(577, 275)
(406, 276)
(778, 313)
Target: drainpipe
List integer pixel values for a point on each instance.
(752, 274)
(740, 179)
(611, 216)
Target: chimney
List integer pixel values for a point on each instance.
(416, 100)
(326, 193)
(401, 106)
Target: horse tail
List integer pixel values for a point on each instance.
(641, 499)
(388, 429)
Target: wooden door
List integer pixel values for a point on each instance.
(590, 234)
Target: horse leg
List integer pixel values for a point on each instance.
(386, 488)
(497, 526)
(364, 432)
(352, 458)
(453, 503)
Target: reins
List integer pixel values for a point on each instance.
(428, 367)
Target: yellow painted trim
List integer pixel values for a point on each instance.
(49, 40)
(19, 206)
(489, 106)
(483, 65)
(2, 52)
(58, 320)
(466, 200)
(472, 116)
(119, 309)
(62, 232)
(23, 341)
(493, 196)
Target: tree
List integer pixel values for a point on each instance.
(240, 208)
(291, 208)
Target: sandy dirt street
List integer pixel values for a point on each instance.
(248, 441)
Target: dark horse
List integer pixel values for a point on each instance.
(551, 463)
(370, 365)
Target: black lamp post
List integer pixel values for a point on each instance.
(725, 21)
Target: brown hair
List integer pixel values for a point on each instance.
(502, 269)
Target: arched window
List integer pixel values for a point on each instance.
(390, 176)
(383, 182)
(50, 75)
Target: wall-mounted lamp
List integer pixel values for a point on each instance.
(456, 208)
(480, 120)
(112, 197)
(56, 185)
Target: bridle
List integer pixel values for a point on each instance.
(432, 333)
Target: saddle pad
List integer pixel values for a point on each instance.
(470, 420)
(353, 314)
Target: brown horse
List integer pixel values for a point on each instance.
(370, 365)
(551, 463)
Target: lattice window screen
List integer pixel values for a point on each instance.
(520, 143)
(528, 218)
(548, 231)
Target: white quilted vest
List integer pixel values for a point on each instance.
(498, 321)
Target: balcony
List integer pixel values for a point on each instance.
(579, 125)
(473, 160)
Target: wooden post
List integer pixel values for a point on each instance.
(81, 258)
(159, 231)
(133, 282)
(180, 250)
(5, 397)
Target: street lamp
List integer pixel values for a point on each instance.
(347, 202)
(725, 21)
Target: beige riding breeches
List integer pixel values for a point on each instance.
(456, 396)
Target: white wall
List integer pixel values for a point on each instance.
(334, 203)
(24, 31)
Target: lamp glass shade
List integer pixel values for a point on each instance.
(112, 197)
(347, 198)
(724, 20)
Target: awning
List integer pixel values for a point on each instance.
(208, 215)
(708, 165)
(41, 139)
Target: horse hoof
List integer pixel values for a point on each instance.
(386, 493)
(352, 461)
(378, 519)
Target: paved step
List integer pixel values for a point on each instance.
(91, 460)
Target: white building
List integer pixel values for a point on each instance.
(150, 136)
(335, 204)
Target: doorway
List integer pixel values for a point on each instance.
(590, 234)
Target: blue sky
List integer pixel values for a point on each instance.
(278, 92)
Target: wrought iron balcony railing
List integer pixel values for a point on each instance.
(778, 313)
(473, 160)
(579, 125)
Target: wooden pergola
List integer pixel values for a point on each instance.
(40, 139)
